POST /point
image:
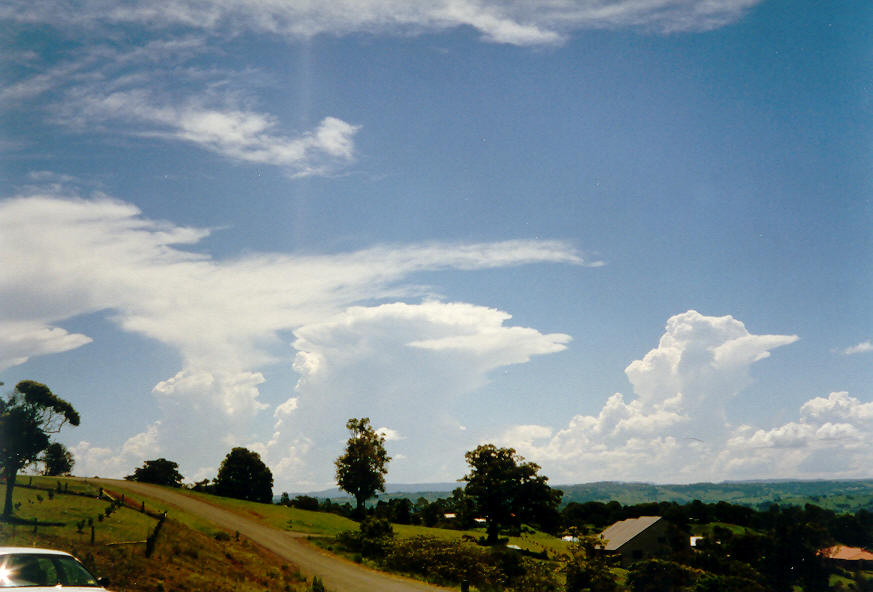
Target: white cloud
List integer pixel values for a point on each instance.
(21, 341)
(518, 22)
(389, 434)
(369, 361)
(66, 257)
(150, 91)
(861, 348)
(234, 133)
(676, 424)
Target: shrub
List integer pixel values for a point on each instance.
(446, 561)
(372, 539)
(658, 575)
(536, 576)
(586, 569)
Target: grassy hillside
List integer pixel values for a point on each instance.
(184, 558)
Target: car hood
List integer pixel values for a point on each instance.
(53, 589)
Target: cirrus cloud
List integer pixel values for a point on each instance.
(517, 22)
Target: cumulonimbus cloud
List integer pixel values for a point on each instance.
(65, 257)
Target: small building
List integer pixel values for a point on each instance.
(637, 538)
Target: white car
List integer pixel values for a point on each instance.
(28, 568)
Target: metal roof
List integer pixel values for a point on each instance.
(621, 532)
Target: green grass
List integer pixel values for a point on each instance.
(708, 529)
(184, 558)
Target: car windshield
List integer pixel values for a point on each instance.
(43, 569)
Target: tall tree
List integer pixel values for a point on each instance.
(506, 490)
(244, 475)
(58, 460)
(159, 471)
(27, 416)
(361, 469)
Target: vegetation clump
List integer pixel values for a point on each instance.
(159, 471)
(27, 416)
(243, 475)
(360, 470)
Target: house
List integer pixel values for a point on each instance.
(638, 538)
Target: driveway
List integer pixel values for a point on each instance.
(338, 574)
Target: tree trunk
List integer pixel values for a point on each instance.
(360, 510)
(10, 484)
(493, 530)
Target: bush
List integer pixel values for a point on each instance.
(586, 569)
(658, 575)
(714, 583)
(304, 502)
(449, 562)
(372, 539)
(536, 576)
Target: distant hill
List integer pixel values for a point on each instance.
(841, 495)
(846, 495)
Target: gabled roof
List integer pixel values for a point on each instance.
(621, 532)
(847, 553)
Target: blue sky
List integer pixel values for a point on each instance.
(629, 239)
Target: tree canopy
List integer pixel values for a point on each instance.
(27, 416)
(159, 471)
(244, 475)
(506, 490)
(58, 460)
(361, 469)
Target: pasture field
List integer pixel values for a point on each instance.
(184, 558)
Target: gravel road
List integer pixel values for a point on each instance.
(338, 574)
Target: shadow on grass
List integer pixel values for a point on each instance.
(28, 521)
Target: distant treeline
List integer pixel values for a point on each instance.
(456, 511)
(841, 496)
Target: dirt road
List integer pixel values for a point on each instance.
(338, 574)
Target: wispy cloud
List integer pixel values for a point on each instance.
(518, 22)
(152, 91)
(236, 134)
(861, 348)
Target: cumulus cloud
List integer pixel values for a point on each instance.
(67, 256)
(518, 22)
(676, 424)
(831, 438)
(861, 348)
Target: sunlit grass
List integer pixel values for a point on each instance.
(184, 559)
